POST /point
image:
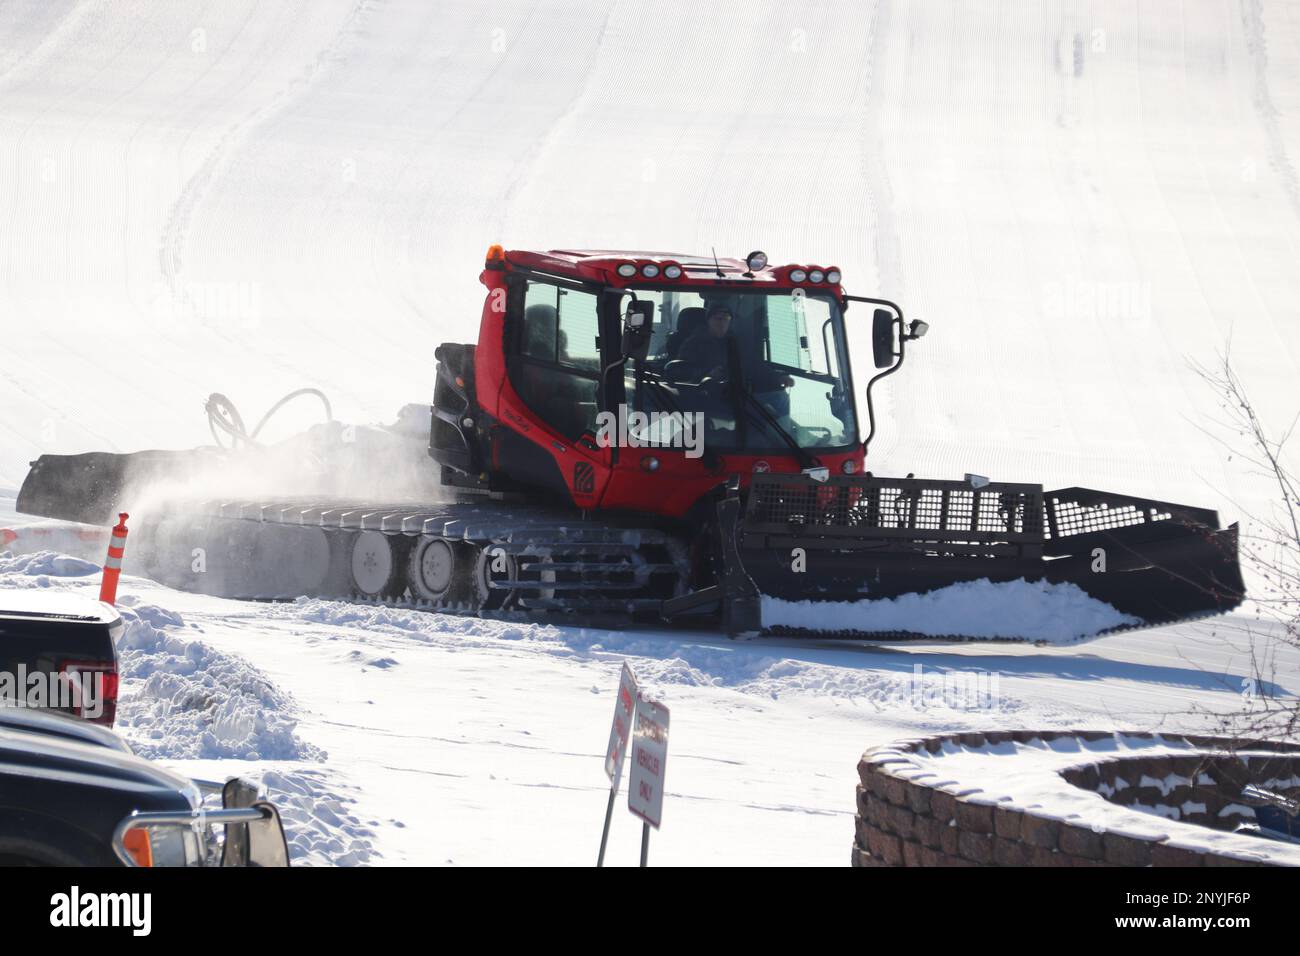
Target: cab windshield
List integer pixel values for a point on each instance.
(757, 370)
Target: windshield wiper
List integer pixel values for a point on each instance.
(661, 390)
(800, 453)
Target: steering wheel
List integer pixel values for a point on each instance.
(679, 371)
(712, 387)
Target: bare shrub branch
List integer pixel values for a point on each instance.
(1271, 549)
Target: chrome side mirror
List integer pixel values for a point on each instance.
(257, 843)
(267, 845)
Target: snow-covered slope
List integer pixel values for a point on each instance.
(251, 196)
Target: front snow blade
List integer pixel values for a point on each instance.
(864, 537)
(91, 488)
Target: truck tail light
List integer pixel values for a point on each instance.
(102, 709)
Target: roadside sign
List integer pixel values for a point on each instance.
(624, 707)
(645, 788)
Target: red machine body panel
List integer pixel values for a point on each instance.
(594, 479)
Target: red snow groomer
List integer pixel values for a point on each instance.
(648, 436)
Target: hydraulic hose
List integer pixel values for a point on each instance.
(224, 417)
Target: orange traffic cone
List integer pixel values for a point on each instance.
(113, 563)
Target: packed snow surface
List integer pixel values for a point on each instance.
(398, 736)
(1031, 610)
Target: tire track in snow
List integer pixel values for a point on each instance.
(1252, 16)
(172, 240)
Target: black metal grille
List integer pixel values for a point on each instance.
(1069, 516)
(953, 518)
(943, 510)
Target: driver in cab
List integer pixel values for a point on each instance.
(707, 351)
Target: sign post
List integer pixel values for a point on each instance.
(617, 749)
(645, 783)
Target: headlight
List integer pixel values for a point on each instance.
(816, 275)
(672, 271)
(756, 261)
(627, 270)
(168, 844)
(798, 275)
(174, 846)
(833, 276)
(649, 270)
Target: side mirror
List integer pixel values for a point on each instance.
(882, 338)
(258, 844)
(266, 843)
(636, 329)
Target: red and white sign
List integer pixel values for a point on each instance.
(645, 785)
(622, 726)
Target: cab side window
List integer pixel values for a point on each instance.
(558, 365)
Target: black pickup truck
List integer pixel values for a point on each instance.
(73, 794)
(58, 652)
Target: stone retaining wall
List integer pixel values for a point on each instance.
(910, 812)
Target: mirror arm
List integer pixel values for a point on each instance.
(902, 348)
(871, 411)
(189, 819)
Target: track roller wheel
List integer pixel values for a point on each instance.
(379, 565)
(436, 570)
(493, 564)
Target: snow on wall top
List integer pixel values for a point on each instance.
(1025, 775)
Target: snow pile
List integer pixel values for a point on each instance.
(185, 700)
(151, 614)
(1028, 610)
(43, 565)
